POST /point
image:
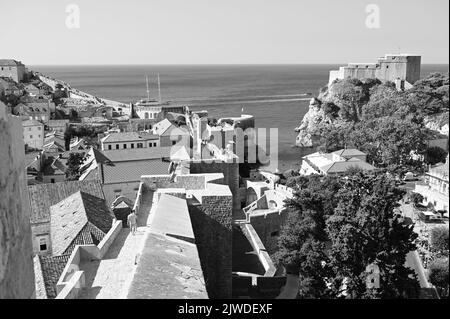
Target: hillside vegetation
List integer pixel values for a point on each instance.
(392, 127)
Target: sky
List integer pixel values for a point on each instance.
(221, 31)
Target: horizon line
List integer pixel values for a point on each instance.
(206, 64)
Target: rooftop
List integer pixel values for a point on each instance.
(10, 62)
(31, 123)
(137, 154)
(71, 215)
(349, 152)
(127, 136)
(43, 196)
(52, 268)
(338, 161)
(339, 167)
(132, 171)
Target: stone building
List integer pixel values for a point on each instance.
(42, 197)
(402, 69)
(9, 87)
(436, 188)
(129, 140)
(59, 126)
(337, 162)
(16, 251)
(39, 111)
(170, 134)
(12, 69)
(33, 134)
(153, 109)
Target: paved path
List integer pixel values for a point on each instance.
(111, 277)
(290, 290)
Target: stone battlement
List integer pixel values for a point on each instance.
(391, 67)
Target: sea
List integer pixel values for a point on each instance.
(276, 95)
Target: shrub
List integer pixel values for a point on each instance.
(438, 276)
(439, 240)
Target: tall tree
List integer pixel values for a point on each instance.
(341, 225)
(73, 166)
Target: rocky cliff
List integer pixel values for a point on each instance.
(308, 126)
(323, 111)
(353, 101)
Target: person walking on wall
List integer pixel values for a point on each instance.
(132, 222)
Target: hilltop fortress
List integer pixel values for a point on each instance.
(402, 69)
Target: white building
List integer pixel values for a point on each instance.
(337, 162)
(150, 109)
(129, 140)
(33, 134)
(436, 190)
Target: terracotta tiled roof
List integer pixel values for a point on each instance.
(30, 158)
(89, 235)
(123, 172)
(52, 268)
(137, 154)
(340, 167)
(127, 137)
(45, 195)
(349, 152)
(78, 219)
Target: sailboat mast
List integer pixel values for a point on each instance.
(148, 91)
(159, 89)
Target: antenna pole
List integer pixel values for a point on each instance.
(159, 89)
(148, 91)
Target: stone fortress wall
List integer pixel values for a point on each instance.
(16, 251)
(391, 67)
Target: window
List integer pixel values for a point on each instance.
(387, 66)
(117, 146)
(154, 144)
(39, 128)
(42, 244)
(150, 144)
(109, 147)
(52, 180)
(132, 145)
(140, 145)
(124, 146)
(146, 115)
(117, 192)
(174, 142)
(31, 136)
